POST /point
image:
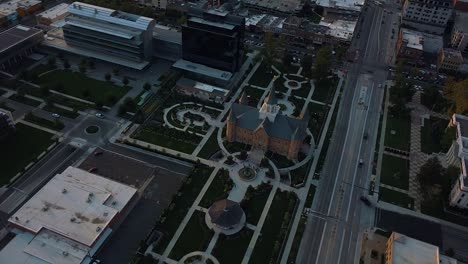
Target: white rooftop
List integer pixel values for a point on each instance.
(55, 11)
(413, 38)
(111, 16)
(354, 5)
(340, 29)
(75, 204)
(407, 250)
(253, 20)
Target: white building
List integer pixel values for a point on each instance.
(407, 250)
(341, 7)
(428, 15)
(67, 220)
(458, 156)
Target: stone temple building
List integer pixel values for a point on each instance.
(266, 128)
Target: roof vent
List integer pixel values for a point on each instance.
(98, 229)
(65, 253)
(73, 219)
(114, 202)
(45, 208)
(106, 214)
(91, 194)
(64, 190)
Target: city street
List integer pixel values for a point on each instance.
(334, 230)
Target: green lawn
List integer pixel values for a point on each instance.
(195, 237)
(61, 111)
(303, 91)
(79, 85)
(262, 76)
(254, 202)
(401, 138)
(299, 175)
(174, 215)
(318, 114)
(152, 135)
(234, 147)
(274, 230)
(231, 249)
(219, 189)
(279, 160)
(310, 196)
(254, 95)
(395, 172)
(25, 100)
(325, 90)
(397, 198)
(54, 125)
(20, 149)
(211, 146)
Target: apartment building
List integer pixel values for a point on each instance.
(458, 156)
(427, 15)
(459, 38)
(449, 60)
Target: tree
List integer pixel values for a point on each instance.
(20, 91)
(66, 64)
(129, 104)
(116, 71)
(269, 50)
(287, 59)
(107, 76)
(83, 61)
(322, 62)
(51, 61)
(82, 68)
(182, 20)
(431, 172)
(45, 90)
(243, 155)
(456, 91)
(91, 64)
(147, 86)
(450, 252)
(306, 63)
(86, 93)
(125, 81)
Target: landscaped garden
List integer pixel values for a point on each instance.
(433, 136)
(325, 90)
(24, 100)
(20, 149)
(275, 229)
(219, 188)
(262, 76)
(396, 198)
(79, 85)
(254, 95)
(195, 237)
(168, 138)
(303, 91)
(395, 172)
(317, 117)
(254, 202)
(173, 216)
(54, 125)
(398, 132)
(231, 249)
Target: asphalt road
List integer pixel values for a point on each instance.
(334, 230)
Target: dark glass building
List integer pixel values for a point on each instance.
(214, 39)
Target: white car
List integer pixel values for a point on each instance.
(99, 115)
(55, 115)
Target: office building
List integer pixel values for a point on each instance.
(459, 38)
(403, 249)
(428, 15)
(28, 7)
(214, 39)
(412, 44)
(458, 156)
(67, 220)
(52, 14)
(167, 43)
(109, 35)
(266, 128)
(449, 60)
(7, 124)
(16, 43)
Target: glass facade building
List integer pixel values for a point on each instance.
(214, 39)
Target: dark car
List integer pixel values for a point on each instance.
(365, 200)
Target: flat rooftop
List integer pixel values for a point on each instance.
(202, 86)
(355, 5)
(202, 69)
(75, 204)
(340, 29)
(414, 39)
(55, 11)
(15, 35)
(167, 34)
(277, 5)
(412, 251)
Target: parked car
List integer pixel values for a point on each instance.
(55, 115)
(99, 115)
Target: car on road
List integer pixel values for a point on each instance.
(361, 162)
(365, 200)
(99, 115)
(366, 136)
(55, 115)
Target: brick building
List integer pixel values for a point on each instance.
(266, 128)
